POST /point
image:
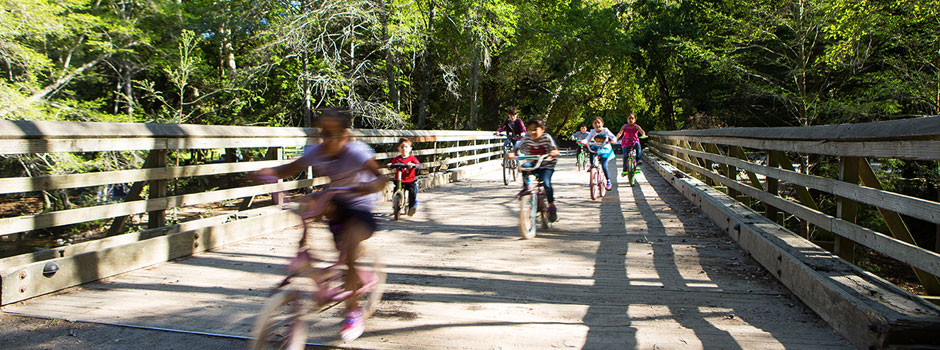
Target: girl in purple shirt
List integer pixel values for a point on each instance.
(347, 164)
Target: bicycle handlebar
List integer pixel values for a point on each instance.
(399, 165)
(537, 164)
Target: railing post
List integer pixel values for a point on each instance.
(847, 209)
(277, 153)
(157, 218)
(117, 225)
(772, 187)
(896, 226)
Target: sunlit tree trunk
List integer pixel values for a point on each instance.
(426, 81)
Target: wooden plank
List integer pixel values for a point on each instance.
(897, 227)
(868, 311)
(20, 129)
(802, 193)
(847, 209)
(910, 254)
(72, 216)
(908, 129)
(424, 152)
(112, 241)
(28, 281)
(911, 206)
(914, 150)
(42, 183)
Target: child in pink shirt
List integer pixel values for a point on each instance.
(629, 136)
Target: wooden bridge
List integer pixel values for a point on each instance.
(677, 262)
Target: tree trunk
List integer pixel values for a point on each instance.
(426, 84)
(390, 62)
(475, 86)
(666, 106)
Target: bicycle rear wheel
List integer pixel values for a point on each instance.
(280, 324)
(397, 206)
(527, 214)
(372, 273)
(631, 169)
(506, 164)
(546, 222)
(595, 191)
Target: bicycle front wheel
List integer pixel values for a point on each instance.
(601, 184)
(280, 324)
(527, 214)
(506, 164)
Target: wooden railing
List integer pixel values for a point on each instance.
(754, 163)
(440, 151)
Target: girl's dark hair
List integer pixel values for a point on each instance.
(513, 110)
(403, 140)
(538, 122)
(344, 117)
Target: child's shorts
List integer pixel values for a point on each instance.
(342, 215)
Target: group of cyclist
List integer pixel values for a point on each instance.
(352, 164)
(534, 141)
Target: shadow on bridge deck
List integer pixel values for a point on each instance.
(640, 269)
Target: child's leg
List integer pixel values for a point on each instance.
(604, 161)
(355, 232)
(547, 181)
(412, 188)
(626, 152)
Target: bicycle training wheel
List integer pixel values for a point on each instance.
(397, 204)
(280, 324)
(527, 213)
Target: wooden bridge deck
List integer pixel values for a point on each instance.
(642, 268)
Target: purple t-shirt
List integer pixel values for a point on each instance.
(347, 169)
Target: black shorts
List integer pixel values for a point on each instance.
(342, 215)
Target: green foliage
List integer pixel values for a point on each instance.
(751, 63)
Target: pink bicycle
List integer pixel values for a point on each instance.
(309, 289)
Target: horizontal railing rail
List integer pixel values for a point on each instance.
(152, 194)
(755, 164)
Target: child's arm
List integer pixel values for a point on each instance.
(285, 170)
(620, 133)
(375, 185)
(417, 164)
(641, 130)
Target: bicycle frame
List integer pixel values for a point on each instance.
(597, 182)
(328, 282)
(537, 199)
(400, 194)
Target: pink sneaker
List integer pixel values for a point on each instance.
(353, 325)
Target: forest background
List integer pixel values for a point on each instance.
(459, 64)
